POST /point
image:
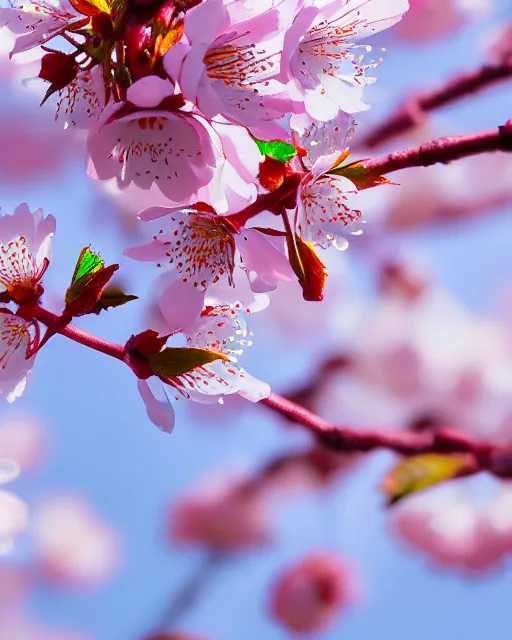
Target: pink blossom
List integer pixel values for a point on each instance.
(218, 327)
(17, 339)
(75, 546)
(324, 215)
(227, 68)
(37, 21)
(22, 439)
(322, 62)
(328, 138)
(220, 518)
(25, 251)
(81, 102)
(455, 531)
(13, 511)
(161, 144)
(431, 19)
(204, 249)
(308, 596)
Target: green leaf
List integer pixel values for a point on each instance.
(423, 471)
(175, 361)
(277, 150)
(113, 297)
(87, 264)
(89, 280)
(357, 173)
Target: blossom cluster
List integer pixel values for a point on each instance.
(217, 112)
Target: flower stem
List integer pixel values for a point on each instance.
(442, 151)
(51, 320)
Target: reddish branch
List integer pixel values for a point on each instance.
(487, 457)
(495, 459)
(442, 150)
(76, 334)
(414, 110)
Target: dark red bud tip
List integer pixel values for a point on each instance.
(147, 343)
(271, 174)
(102, 25)
(138, 350)
(58, 68)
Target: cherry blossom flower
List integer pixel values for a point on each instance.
(25, 252)
(204, 248)
(457, 531)
(324, 215)
(75, 547)
(13, 511)
(226, 69)
(22, 439)
(428, 20)
(322, 62)
(151, 139)
(81, 102)
(37, 21)
(308, 596)
(218, 327)
(18, 338)
(220, 518)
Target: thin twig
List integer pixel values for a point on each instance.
(414, 110)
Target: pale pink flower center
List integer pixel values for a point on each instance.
(17, 265)
(13, 334)
(140, 147)
(201, 244)
(78, 92)
(328, 204)
(329, 41)
(238, 65)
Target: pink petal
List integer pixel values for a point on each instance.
(160, 412)
(153, 251)
(13, 517)
(181, 305)
(149, 91)
(173, 60)
(205, 22)
(259, 255)
(292, 38)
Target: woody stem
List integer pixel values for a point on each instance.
(51, 320)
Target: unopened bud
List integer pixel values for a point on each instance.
(58, 68)
(102, 25)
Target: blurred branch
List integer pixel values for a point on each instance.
(414, 110)
(487, 457)
(441, 151)
(190, 591)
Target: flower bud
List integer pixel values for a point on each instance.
(102, 25)
(58, 68)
